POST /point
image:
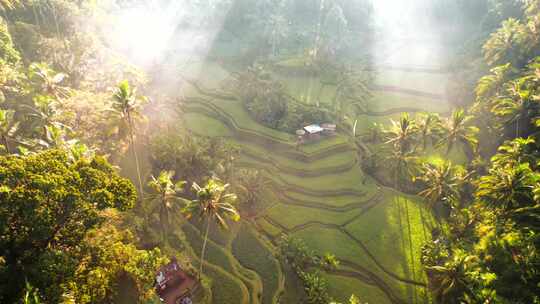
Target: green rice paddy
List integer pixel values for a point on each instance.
(319, 193)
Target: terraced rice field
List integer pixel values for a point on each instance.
(319, 193)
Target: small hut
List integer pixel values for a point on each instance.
(328, 129)
(313, 131)
(173, 285)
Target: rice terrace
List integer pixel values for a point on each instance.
(269, 152)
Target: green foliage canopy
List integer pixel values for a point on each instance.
(47, 204)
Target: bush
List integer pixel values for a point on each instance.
(267, 102)
(194, 159)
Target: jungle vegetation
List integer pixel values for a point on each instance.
(119, 151)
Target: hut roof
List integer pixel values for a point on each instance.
(312, 129)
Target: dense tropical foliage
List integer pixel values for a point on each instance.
(428, 191)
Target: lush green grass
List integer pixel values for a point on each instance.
(334, 160)
(220, 259)
(291, 216)
(341, 288)
(378, 229)
(235, 110)
(326, 240)
(366, 121)
(214, 254)
(383, 101)
(253, 254)
(307, 89)
(335, 201)
(294, 289)
(323, 143)
(206, 126)
(385, 242)
(225, 289)
(268, 228)
(350, 179)
(420, 81)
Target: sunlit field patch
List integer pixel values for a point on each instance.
(341, 287)
(253, 254)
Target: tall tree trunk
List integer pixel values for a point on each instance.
(133, 148)
(163, 218)
(318, 37)
(204, 247)
(6, 144)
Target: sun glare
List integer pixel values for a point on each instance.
(144, 33)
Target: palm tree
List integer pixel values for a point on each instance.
(451, 280)
(517, 151)
(374, 133)
(165, 192)
(403, 165)
(402, 134)
(352, 90)
(428, 128)
(441, 184)
(8, 129)
(6, 5)
(249, 185)
(276, 29)
(402, 160)
(125, 106)
(489, 85)
(48, 81)
(335, 25)
(508, 187)
(516, 105)
(456, 131)
(44, 117)
(501, 46)
(213, 204)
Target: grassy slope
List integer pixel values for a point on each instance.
(381, 240)
(206, 126)
(336, 201)
(351, 179)
(341, 288)
(292, 216)
(335, 160)
(217, 261)
(327, 240)
(388, 239)
(253, 254)
(268, 228)
(235, 109)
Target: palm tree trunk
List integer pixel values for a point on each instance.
(132, 139)
(204, 247)
(6, 144)
(163, 218)
(318, 37)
